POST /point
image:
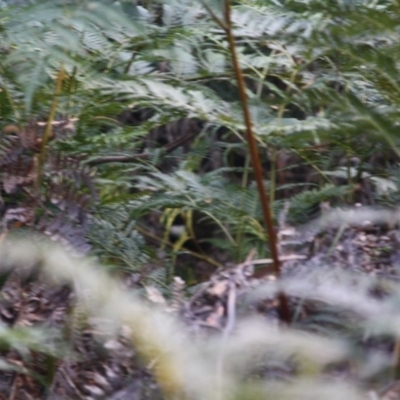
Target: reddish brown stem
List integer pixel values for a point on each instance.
(226, 25)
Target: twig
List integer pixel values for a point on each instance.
(70, 383)
(290, 257)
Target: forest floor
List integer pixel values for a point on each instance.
(104, 367)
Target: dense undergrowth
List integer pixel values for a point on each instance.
(126, 135)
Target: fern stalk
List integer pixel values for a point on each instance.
(48, 130)
(226, 25)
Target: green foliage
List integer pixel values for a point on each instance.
(146, 125)
(116, 241)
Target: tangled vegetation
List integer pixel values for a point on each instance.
(227, 161)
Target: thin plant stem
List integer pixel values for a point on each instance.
(48, 129)
(245, 178)
(226, 25)
(240, 233)
(203, 257)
